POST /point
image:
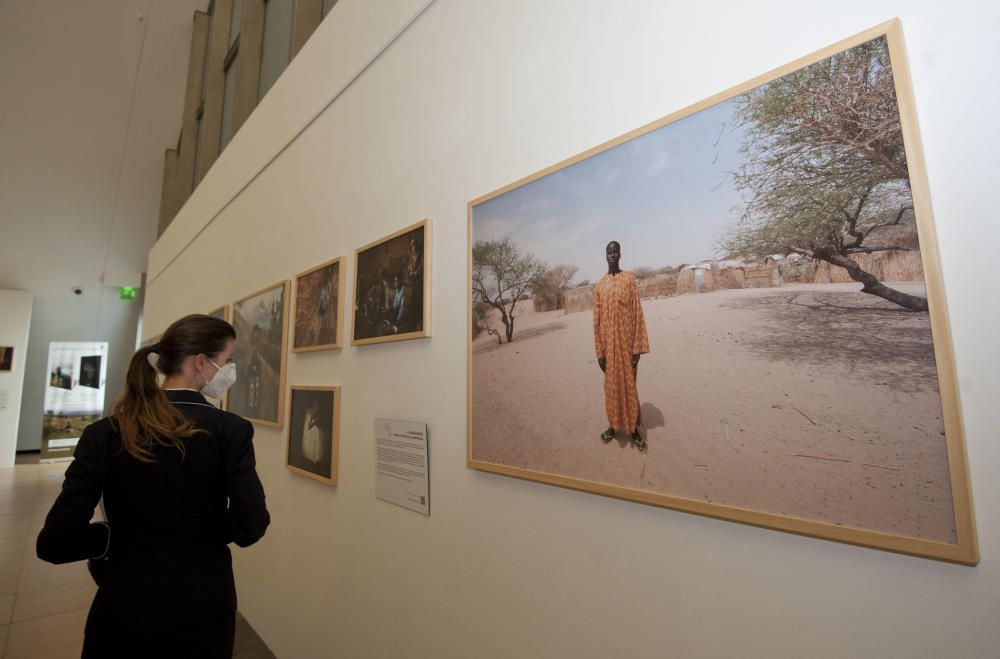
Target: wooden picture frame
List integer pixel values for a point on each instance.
(248, 392)
(330, 445)
(961, 547)
(338, 331)
(364, 319)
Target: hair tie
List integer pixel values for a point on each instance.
(155, 348)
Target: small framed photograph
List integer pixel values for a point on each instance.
(392, 301)
(314, 432)
(319, 308)
(6, 358)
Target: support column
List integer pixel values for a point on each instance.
(215, 82)
(248, 71)
(306, 17)
(192, 99)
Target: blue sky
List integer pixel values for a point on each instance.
(665, 196)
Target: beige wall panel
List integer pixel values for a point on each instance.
(472, 97)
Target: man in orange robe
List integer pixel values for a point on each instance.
(620, 338)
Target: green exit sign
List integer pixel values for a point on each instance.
(127, 292)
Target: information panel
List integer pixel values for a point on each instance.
(401, 465)
(74, 394)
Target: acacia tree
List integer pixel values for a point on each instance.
(552, 285)
(825, 167)
(501, 276)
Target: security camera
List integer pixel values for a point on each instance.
(78, 290)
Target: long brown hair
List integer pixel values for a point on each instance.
(142, 413)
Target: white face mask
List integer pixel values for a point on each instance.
(224, 378)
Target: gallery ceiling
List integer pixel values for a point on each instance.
(92, 95)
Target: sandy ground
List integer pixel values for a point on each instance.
(810, 400)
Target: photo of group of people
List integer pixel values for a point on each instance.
(390, 300)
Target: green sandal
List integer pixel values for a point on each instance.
(607, 436)
(639, 441)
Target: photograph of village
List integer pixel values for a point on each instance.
(773, 241)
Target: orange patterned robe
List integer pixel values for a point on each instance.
(619, 333)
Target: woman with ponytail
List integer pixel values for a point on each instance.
(179, 482)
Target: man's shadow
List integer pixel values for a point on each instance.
(652, 417)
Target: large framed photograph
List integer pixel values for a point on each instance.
(319, 307)
(313, 443)
(735, 311)
(260, 321)
(392, 301)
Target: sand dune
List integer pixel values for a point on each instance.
(811, 400)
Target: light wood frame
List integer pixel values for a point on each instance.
(334, 439)
(965, 550)
(284, 350)
(425, 331)
(341, 289)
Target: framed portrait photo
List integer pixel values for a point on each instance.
(392, 300)
(319, 307)
(735, 311)
(313, 444)
(261, 322)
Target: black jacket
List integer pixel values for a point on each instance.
(169, 522)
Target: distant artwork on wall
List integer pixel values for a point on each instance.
(74, 395)
(260, 321)
(319, 307)
(6, 358)
(736, 311)
(392, 299)
(90, 371)
(314, 432)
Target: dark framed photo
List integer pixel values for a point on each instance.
(313, 443)
(392, 300)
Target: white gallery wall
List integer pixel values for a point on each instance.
(472, 96)
(15, 322)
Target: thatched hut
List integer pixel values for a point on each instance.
(709, 276)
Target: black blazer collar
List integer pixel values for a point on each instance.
(185, 396)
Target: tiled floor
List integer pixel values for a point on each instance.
(43, 607)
